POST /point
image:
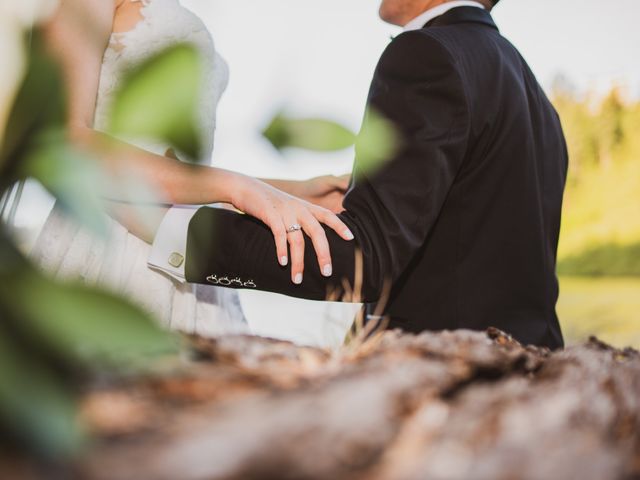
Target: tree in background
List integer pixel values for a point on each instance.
(601, 219)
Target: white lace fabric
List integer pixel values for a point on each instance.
(164, 23)
(120, 263)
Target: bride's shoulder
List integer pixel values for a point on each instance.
(73, 16)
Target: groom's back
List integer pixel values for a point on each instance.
(490, 258)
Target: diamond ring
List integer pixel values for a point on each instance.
(294, 228)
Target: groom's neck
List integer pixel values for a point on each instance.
(423, 6)
(401, 12)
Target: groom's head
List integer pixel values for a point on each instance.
(401, 12)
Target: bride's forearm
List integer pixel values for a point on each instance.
(175, 182)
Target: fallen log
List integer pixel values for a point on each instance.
(451, 405)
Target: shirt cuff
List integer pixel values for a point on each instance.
(169, 248)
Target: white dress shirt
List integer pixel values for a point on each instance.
(425, 17)
(170, 245)
(169, 248)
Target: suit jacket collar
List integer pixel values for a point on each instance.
(463, 15)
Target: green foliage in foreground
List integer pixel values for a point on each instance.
(51, 336)
(54, 335)
(314, 134)
(377, 141)
(601, 218)
(159, 99)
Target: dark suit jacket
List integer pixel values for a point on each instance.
(463, 220)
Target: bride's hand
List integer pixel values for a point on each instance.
(282, 212)
(327, 191)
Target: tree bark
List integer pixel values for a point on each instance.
(450, 405)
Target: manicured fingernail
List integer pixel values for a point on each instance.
(327, 271)
(283, 261)
(298, 279)
(348, 234)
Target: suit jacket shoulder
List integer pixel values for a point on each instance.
(417, 51)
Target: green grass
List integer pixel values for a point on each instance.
(601, 222)
(606, 307)
(603, 260)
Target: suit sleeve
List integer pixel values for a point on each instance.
(391, 210)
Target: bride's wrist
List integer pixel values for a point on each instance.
(226, 185)
(239, 186)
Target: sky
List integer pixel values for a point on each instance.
(316, 58)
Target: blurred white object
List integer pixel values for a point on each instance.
(304, 322)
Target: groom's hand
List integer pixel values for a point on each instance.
(288, 217)
(327, 191)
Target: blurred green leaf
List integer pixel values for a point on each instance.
(77, 321)
(73, 177)
(86, 324)
(40, 104)
(310, 134)
(377, 142)
(159, 100)
(46, 328)
(51, 331)
(36, 407)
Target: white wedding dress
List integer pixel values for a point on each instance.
(120, 263)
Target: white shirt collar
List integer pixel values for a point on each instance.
(421, 20)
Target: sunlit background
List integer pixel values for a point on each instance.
(316, 58)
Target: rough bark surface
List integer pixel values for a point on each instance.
(451, 405)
